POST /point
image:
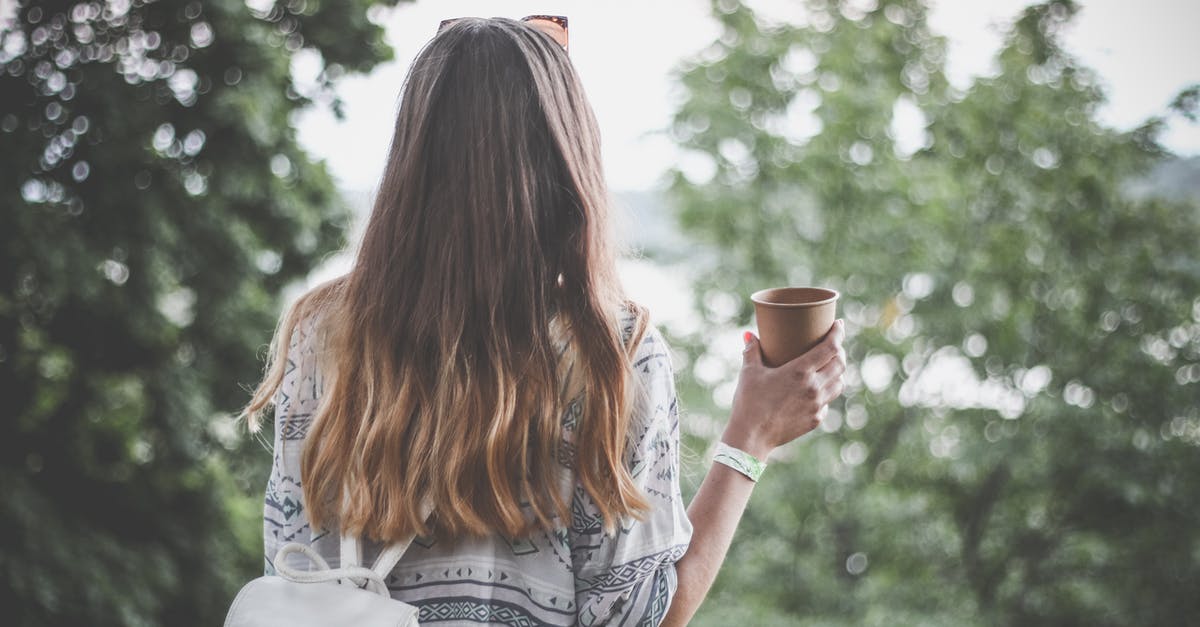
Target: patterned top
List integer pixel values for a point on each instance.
(571, 575)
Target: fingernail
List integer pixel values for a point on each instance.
(746, 337)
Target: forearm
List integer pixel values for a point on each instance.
(771, 407)
(714, 512)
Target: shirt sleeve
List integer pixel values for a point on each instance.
(629, 578)
(284, 518)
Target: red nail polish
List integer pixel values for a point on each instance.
(747, 336)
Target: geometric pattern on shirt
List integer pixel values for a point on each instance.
(622, 576)
(296, 427)
(660, 601)
(488, 611)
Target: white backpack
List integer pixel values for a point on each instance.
(349, 595)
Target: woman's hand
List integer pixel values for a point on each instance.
(773, 406)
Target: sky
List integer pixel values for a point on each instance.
(625, 53)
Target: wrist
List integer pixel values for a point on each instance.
(747, 441)
(739, 460)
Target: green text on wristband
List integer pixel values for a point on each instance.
(739, 460)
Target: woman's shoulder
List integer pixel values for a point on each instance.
(649, 352)
(638, 331)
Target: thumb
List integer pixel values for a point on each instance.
(752, 353)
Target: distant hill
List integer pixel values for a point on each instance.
(1177, 179)
(645, 225)
(645, 221)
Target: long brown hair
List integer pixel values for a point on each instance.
(483, 298)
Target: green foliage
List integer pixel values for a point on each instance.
(1048, 480)
(155, 202)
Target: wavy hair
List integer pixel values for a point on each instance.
(482, 300)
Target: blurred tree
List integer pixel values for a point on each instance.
(154, 203)
(1018, 442)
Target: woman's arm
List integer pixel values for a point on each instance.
(772, 406)
(715, 512)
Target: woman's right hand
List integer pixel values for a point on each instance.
(773, 406)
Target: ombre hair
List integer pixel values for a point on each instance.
(483, 299)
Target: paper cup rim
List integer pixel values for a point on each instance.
(758, 296)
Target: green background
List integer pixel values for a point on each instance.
(155, 203)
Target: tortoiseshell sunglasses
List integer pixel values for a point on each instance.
(553, 25)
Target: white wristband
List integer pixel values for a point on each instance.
(739, 460)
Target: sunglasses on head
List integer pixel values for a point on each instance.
(553, 25)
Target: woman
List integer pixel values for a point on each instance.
(480, 358)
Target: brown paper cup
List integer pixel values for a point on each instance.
(792, 320)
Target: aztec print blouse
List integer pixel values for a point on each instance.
(571, 575)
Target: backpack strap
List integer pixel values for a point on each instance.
(369, 579)
(351, 550)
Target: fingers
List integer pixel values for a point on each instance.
(752, 353)
(816, 419)
(822, 353)
(831, 389)
(834, 367)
